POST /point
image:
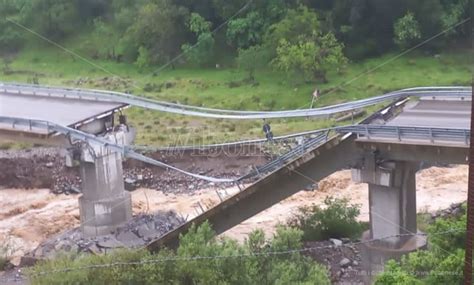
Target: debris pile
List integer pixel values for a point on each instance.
(455, 210)
(137, 233)
(341, 258)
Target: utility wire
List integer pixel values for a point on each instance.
(75, 54)
(245, 255)
(395, 57)
(246, 5)
(62, 48)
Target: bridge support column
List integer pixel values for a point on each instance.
(392, 203)
(104, 204)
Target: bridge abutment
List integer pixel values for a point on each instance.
(392, 204)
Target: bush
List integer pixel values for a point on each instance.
(6, 250)
(182, 268)
(442, 263)
(336, 220)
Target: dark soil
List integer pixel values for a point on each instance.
(45, 168)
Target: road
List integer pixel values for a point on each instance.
(65, 112)
(452, 114)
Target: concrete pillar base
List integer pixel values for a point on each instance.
(101, 217)
(375, 254)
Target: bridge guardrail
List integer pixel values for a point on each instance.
(98, 95)
(406, 133)
(369, 131)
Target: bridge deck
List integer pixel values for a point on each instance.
(453, 114)
(62, 111)
(337, 154)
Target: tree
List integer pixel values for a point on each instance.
(297, 24)
(11, 39)
(52, 18)
(247, 31)
(407, 30)
(160, 28)
(225, 9)
(253, 58)
(302, 48)
(428, 13)
(202, 52)
(454, 12)
(312, 57)
(143, 59)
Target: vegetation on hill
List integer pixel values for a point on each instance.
(260, 55)
(152, 32)
(210, 88)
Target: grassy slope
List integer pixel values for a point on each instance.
(209, 88)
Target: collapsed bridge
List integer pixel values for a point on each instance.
(429, 124)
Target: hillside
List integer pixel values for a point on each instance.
(215, 88)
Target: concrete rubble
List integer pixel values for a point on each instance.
(135, 234)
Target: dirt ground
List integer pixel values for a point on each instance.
(28, 217)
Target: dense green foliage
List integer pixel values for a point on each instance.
(106, 34)
(255, 267)
(407, 30)
(335, 219)
(442, 263)
(302, 48)
(305, 37)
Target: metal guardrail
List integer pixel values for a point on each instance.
(369, 131)
(228, 144)
(280, 161)
(91, 139)
(408, 133)
(98, 95)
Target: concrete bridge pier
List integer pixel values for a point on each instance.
(104, 204)
(392, 203)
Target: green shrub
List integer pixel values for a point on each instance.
(442, 263)
(168, 267)
(6, 250)
(336, 220)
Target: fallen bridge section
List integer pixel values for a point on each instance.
(313, 166)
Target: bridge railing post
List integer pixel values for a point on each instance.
(219, 195)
